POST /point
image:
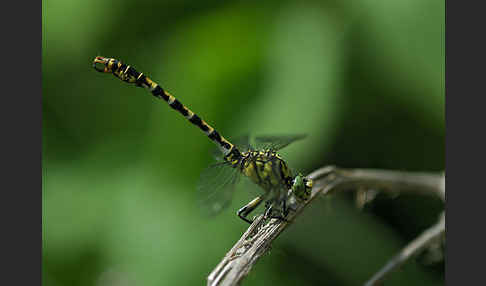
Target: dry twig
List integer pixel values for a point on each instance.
(429, 236)
(256, 241)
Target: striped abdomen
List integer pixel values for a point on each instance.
(130, 75)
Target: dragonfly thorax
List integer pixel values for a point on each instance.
(266, 168)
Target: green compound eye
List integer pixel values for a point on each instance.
(301, 187)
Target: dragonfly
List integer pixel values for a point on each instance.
(255, 159)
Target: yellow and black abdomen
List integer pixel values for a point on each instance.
(266, 169)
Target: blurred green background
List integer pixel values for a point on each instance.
(365, 80)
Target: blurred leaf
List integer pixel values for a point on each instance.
(404, 44)
(300, 95)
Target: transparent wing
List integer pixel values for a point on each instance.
(242, 143)
(276, 142)
(216, 186)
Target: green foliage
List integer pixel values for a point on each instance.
(365, 81)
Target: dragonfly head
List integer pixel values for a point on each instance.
(301, 187)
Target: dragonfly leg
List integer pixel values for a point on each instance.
(280, 217)
(288, 207)
(269, 213)
(285, 208)
(268, 209)
(248, 208)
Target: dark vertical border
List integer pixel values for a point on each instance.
(20, 117)
(465, 143)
